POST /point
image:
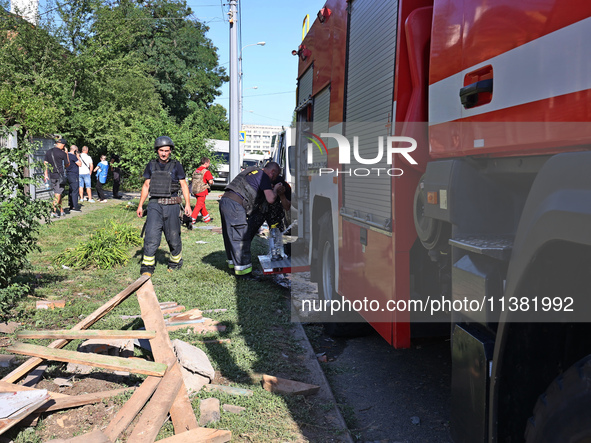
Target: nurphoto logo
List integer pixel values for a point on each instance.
(393, 146)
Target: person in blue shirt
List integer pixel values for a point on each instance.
(101, 177)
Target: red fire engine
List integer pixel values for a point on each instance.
(488, 211)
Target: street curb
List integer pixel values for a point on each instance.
(318, 378)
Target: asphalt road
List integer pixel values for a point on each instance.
(393, 395)
(385, 394)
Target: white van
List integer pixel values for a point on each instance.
(221, 152)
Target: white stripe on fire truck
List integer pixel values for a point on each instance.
(556, 64)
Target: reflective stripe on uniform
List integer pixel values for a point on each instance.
(149, 261)
(230, 264)
(241, 270)
(176, 258)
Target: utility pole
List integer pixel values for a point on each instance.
(234, 94)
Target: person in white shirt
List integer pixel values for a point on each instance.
(85, 174)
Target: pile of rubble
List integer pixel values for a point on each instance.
(177, 367)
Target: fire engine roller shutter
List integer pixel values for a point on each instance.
(305, 86)
(370, 83)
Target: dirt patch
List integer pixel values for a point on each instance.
(76, 421)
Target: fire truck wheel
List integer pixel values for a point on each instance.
(562, 412)
(354, 326)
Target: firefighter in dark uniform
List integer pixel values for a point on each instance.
(165, 177)
(242, 196)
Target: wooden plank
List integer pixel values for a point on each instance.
(73, 401)
(86, 334)
(190, 315)
(200, 435)
(92, 437)
(136, 366)
(284, 386)
(99, 313)
(156, 411)
(131, 408)
(183, 417)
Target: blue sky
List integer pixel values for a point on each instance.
(271, 68)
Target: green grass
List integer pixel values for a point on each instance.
(257, 318)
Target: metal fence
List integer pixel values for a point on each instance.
(41, 191)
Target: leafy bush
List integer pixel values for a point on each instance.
(20, 217)
(105, 249)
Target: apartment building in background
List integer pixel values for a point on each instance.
(258, 138)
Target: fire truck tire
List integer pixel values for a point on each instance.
(326, 284)
(562, 412)
(429, 230)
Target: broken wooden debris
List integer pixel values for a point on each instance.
(284, 386)
(207, 325)
(173, 310)
(99, 313)
(209, 411)
(156, 396)
(228, 390)
(120, 347)
(200, 435)
(115, 347)
(156, 411)
(102, 361)
(50, 304)
(86, 334)
(181, 412)
(131, 408)
(190, 315)
(92, 437)
(73, 401)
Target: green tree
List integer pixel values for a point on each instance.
(181, 58)
(31, 87)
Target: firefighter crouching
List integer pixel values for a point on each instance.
(165, 177)
(242, 196)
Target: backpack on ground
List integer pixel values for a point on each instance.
(198, 184)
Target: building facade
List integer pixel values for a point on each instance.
(258, 138)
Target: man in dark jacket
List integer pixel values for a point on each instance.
(115, 167)
(57, 158)
(165, 177)
(243, 194)
(72, 173)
